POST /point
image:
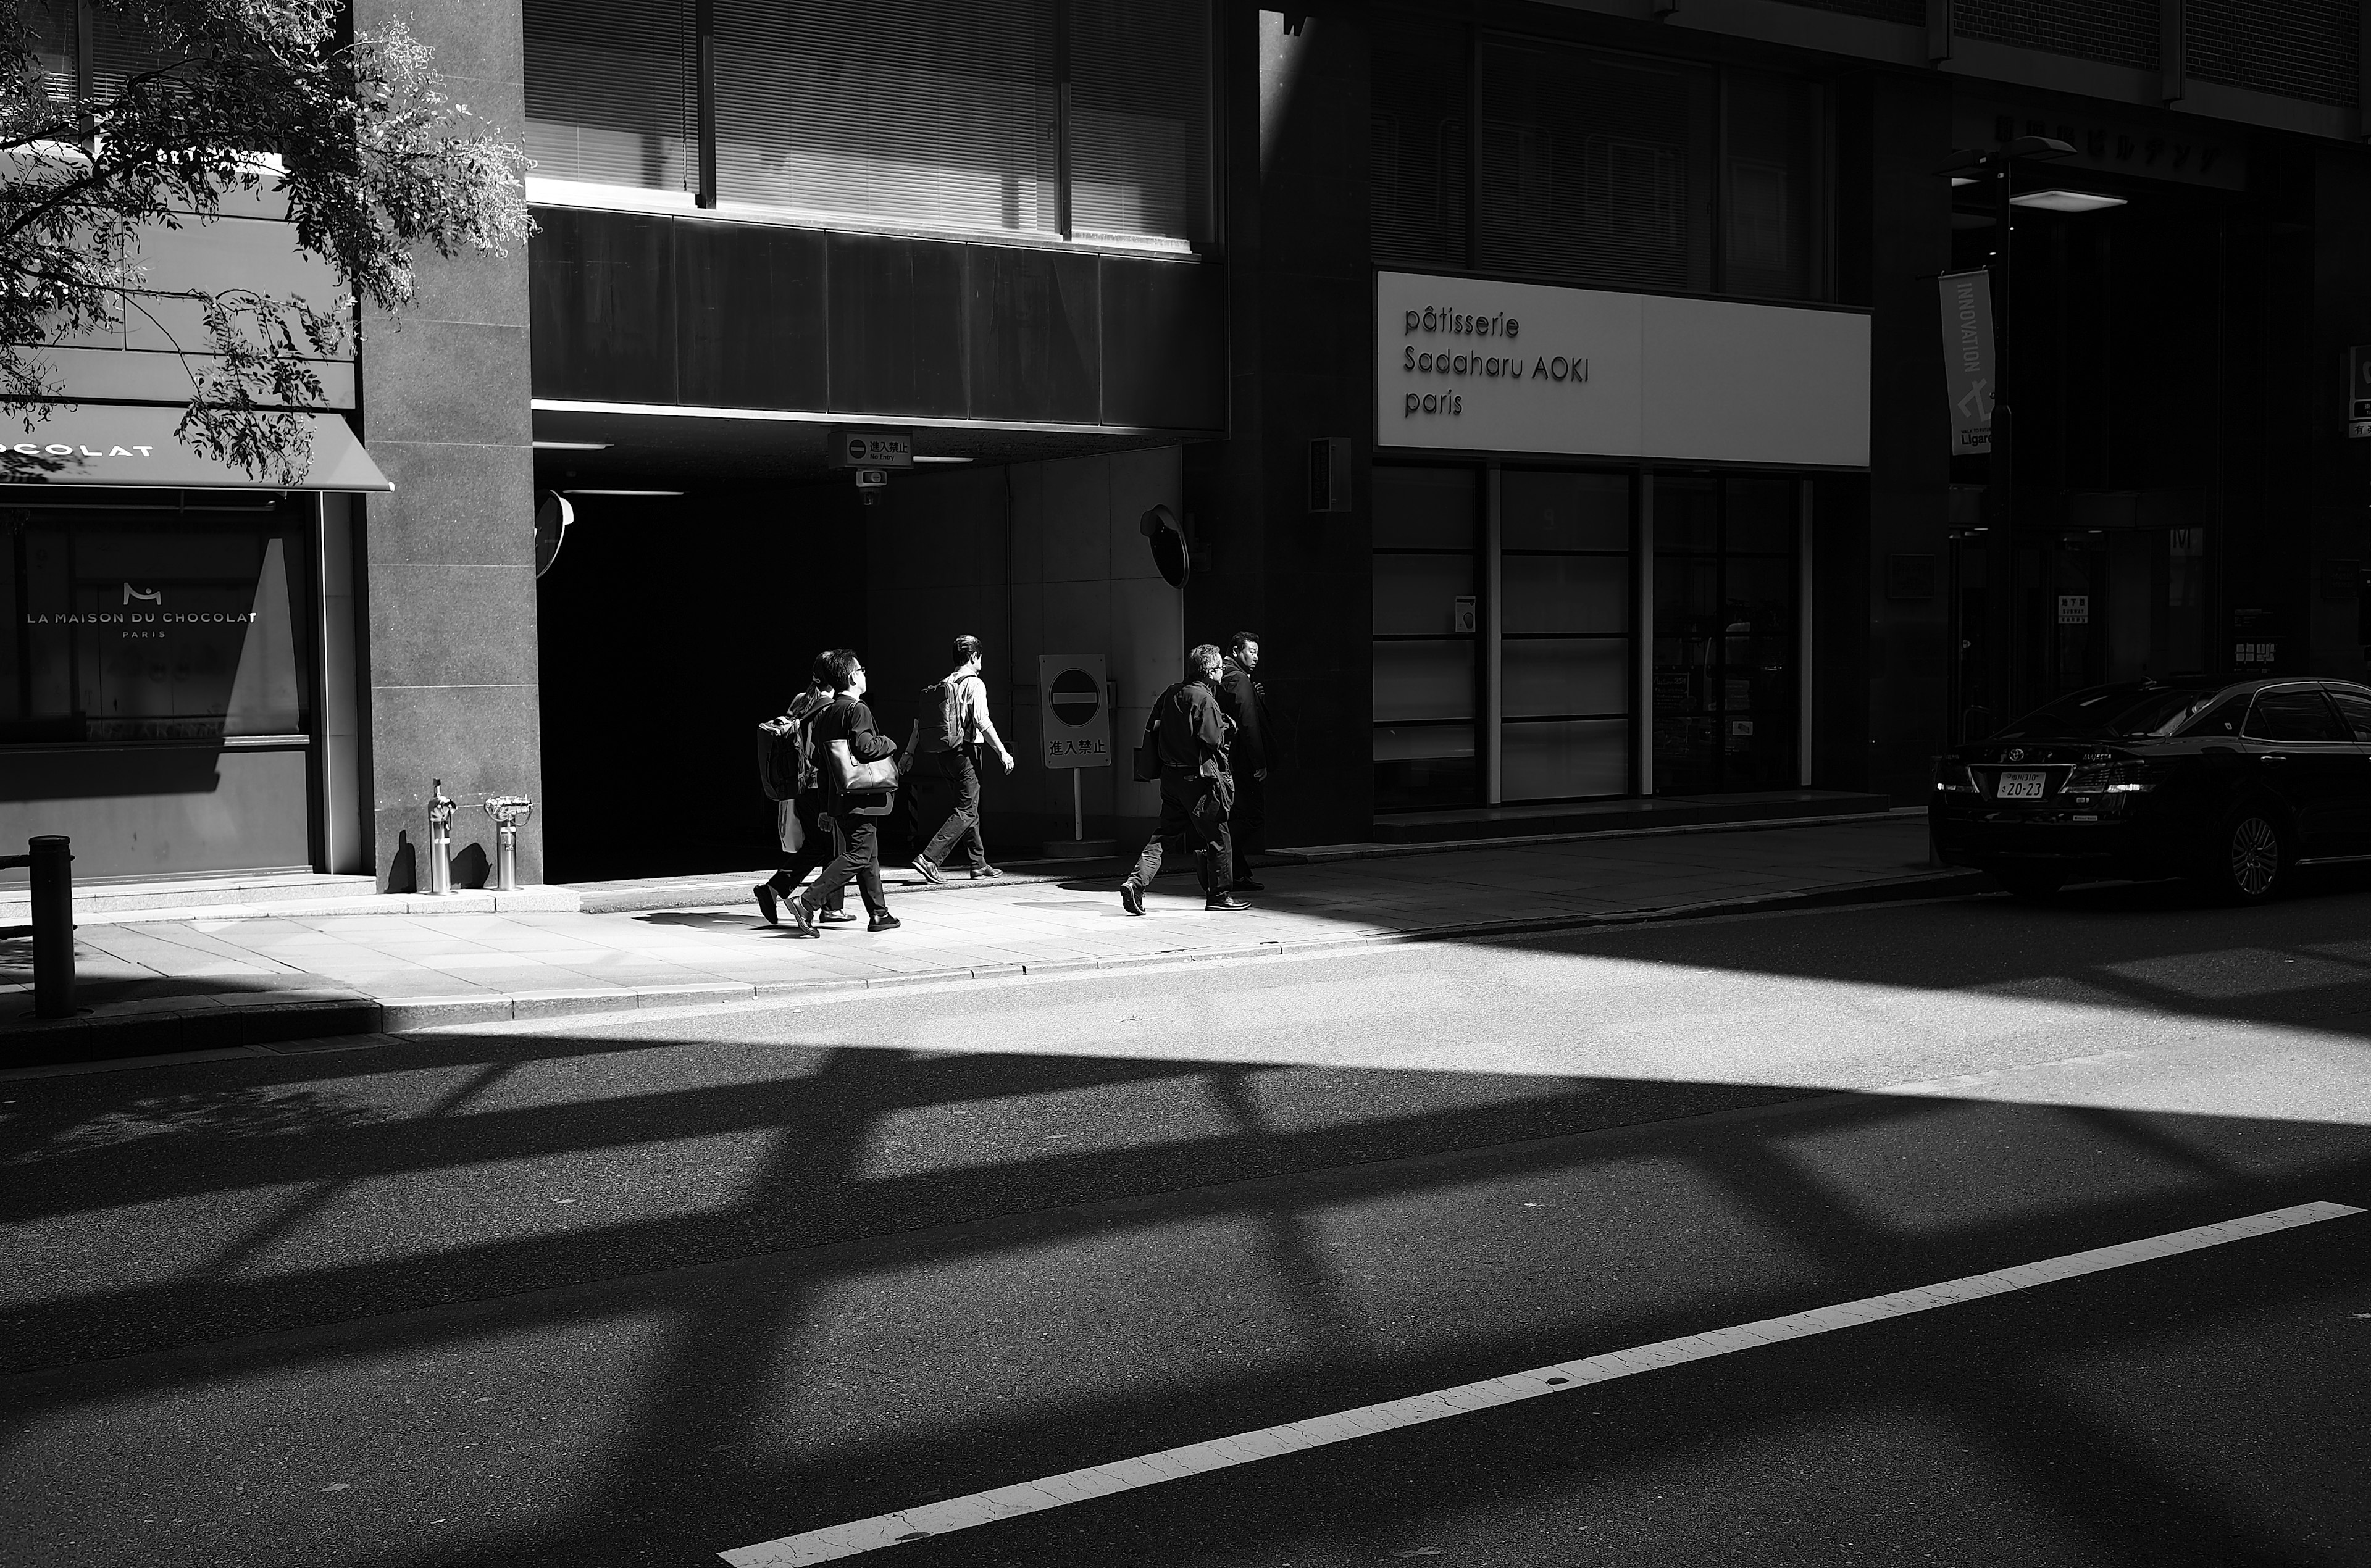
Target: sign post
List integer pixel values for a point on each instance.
(1074, 732)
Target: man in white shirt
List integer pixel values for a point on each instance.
(943, 752)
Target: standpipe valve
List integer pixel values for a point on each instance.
(508, 811)
(440, 838)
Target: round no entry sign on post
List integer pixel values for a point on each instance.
(1074, 722)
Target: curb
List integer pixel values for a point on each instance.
(218, 1029)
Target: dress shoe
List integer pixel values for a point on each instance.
(835, 917)
(927, 872)
(1224, 901)
(802, 919)
(1246, 885)
(979, 871)
(883, 923)
(765, 892)
(1131, 896)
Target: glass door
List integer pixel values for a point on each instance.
(1564, 655)
(1727, 587)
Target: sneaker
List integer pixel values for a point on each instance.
(883, 923)
(802, 919)
(929, 873)
(1224, 901)
(1246, 885)
(1131, 896)
(835, 917)
(765, 892)
(979, 871)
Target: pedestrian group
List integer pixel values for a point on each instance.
(1209, 742)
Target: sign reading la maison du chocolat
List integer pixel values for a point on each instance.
(1469, 365)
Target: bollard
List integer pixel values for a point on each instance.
(508, 811)
(53, 941)
(440, 839)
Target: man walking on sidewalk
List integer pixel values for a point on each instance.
(844, 738)
(1191, 731)
(1253, 758)
(942, 752)
(806, 842)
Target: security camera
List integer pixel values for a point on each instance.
(871, 483)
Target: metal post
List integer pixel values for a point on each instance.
(508, 811)
(440, 840)
(1077, 806)
(52, 862)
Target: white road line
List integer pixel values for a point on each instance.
(1316, 1431)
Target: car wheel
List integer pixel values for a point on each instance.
(2248, 860)
(2033, 884)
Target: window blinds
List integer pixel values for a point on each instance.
(1416, 144)
(932, 112)
(610, 92)
(1139, 117)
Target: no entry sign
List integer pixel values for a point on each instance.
(1074, 719)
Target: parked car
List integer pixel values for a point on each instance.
(2231, 783)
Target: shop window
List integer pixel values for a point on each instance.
(1726, 565)
(1564, 653)
(148, 626)
(1426, 669)
(610, 92)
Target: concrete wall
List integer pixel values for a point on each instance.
(1037, 558)
(449, 562)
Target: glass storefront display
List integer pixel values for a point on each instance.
(1564, 658)
(1427, 523)
(1727, 593)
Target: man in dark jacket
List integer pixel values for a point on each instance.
(1253, 756)
(1191, 732)
(816, 844)
(846, 726)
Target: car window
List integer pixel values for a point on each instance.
(2293, 715)
(2355, 707)
(2119, 710)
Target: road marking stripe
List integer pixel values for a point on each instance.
(1316, 1431)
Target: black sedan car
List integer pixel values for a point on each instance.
(2231, 783)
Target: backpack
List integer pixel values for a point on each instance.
(786, 766)
(944, 726)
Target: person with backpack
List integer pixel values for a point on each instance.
(786, 768)
(942, 752)
(859, 785)
(1189, 733)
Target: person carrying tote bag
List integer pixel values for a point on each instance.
(860, 786)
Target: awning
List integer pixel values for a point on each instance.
(123, 444)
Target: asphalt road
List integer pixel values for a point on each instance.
(648, 1291)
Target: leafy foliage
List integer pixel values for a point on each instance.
(234, 98)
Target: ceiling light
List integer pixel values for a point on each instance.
(2066, 201)
(638, 492)
(572, 447)
(919, 458)
(1961, 180)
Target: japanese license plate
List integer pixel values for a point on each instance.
(2020, 787)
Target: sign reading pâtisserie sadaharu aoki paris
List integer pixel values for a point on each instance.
(1468, 365)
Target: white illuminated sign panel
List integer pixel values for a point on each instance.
(1467, 364)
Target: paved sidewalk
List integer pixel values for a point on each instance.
(198, 983)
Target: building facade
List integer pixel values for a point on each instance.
(1559, 391)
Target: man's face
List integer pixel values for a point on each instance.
(856, 681)
(1248, 655)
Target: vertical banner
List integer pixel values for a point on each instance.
(1968, 371)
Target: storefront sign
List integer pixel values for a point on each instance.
(1469, 365)
(872, 448)
(1073, 720)
(2358, 391)
(96, 445)
(1968, 370)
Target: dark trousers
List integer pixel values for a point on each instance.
(1247, 823)
(941, 778)
(1179, 791)
(857, 845)
(815, 850)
